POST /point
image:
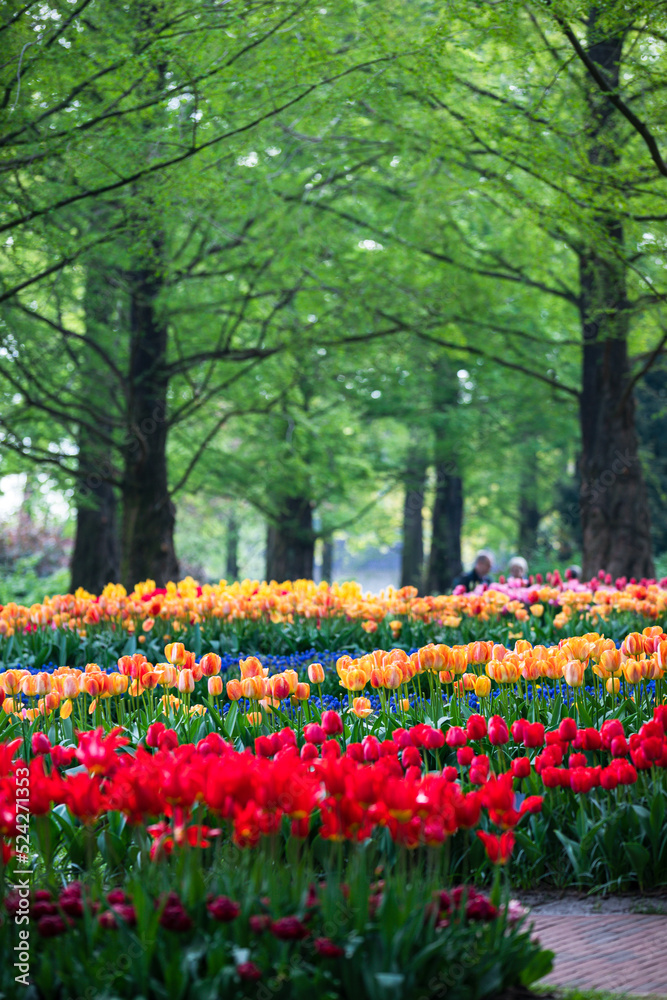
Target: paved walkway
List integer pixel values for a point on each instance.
(621, 952)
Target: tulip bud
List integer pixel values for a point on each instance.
(392, 676)
(521, 767)
(234, 690)
(125, 665)
(29, 686)
(292, 679)
(633, 644)
(316, 673)
(567, 729)
(215, 686)
(70, 686)
(51, 701)
(44, 683)
(361, 707)
(573, 673)
(175, 653)
(153, 733)
(253, 687)
(456, 737)
(280, 688)
(498, 731)
(40, 743)
(610, 661)
(302, 691)
(354, 679)
(476, 727)
(118, 684)
(332, 724)
(482, 687)
(633, 671)
(210, 664)
(186, 681)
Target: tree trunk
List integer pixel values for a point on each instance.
(529, 511)
(412, 552)
(614, 504)
(445, 557)
(232, 568)
(290, 548)
(327, 559)
(148, 512)
(95, 558)
(96, 555)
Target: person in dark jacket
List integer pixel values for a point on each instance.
(478, 574)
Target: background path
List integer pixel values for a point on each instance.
(622, 952)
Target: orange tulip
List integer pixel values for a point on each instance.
(44, 683)
(11, 681)
(633, 670)
(280, 687)
(251, 667)
(175, 653)
(210, 664)
(118, 684)
(51, 701)
(392, 676)
(89, 684)
(253, 687)
(361, 707)
(69, 686)
(215, 686)
(234, 690)
(479, 652)
(633, 644)
(573, 673)
(186, 681)
(354, 679)
(316, 673)
(29, 686)
(482, 687)
(292, 679)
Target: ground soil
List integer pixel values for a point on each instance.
(573, 902)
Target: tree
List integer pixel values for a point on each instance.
(137, 92)
(534, 166)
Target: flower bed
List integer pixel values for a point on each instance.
(195, 819)
(296, 616)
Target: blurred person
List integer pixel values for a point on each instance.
(573, 572)
(517, 568)
(478, 574)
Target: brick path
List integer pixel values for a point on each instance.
(623, 952)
